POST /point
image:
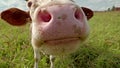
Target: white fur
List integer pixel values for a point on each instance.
(38, 44)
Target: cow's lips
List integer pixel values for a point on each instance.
(61, 41)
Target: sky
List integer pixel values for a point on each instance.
(96, 5)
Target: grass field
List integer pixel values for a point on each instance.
(100, 50)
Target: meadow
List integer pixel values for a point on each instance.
(100, 50)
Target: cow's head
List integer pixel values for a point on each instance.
(53, 21)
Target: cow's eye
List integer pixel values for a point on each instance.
(29, 4)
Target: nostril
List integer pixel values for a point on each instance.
(44, 16)
(78, 14)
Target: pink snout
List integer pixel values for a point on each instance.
(61, 23)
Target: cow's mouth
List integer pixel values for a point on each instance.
(62, 40)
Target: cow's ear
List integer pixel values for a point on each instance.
(15, 16)
(88, 12)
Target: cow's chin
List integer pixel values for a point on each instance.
(61, 47)
(63, 41)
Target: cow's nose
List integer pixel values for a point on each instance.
(61, 21)
(59, 12)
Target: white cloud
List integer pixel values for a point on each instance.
(92, 4)
(7, 2)
(12, 3)
(96, 1)
(98, 4)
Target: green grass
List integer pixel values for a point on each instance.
(101, 49)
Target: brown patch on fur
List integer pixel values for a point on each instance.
(15, 16)
(88, 12)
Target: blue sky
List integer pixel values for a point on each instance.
(92, 4)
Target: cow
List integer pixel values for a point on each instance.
(58, 27)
